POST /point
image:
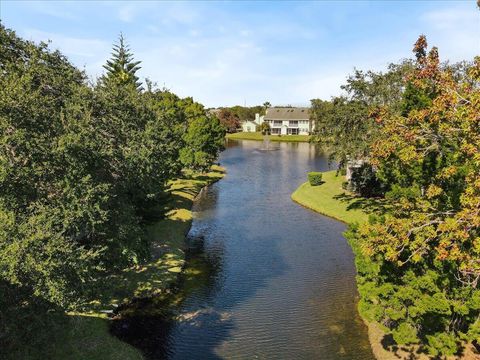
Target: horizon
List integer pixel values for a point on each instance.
(227, 54)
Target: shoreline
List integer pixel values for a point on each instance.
(320, 204)
(161, 305)
(331, 200)
(173, 231)
(257, 136)
(86, 333)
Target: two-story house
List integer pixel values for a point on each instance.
(289, 121)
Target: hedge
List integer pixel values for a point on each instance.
(315, 178)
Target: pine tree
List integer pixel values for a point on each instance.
(122, 67)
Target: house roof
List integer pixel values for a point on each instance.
(299, 113)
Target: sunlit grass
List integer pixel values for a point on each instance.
(332, 200)
(167, 237)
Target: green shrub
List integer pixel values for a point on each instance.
(315, 178)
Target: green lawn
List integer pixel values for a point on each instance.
(85, 335)
(259, 137)
(331, 200)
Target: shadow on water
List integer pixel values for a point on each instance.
(264, 277)
(148, 324)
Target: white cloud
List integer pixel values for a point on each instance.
(221, 57)
(126, 13)
(82, 47)
(455, 31)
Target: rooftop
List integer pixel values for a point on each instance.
(297, 113)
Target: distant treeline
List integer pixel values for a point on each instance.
(232, 117)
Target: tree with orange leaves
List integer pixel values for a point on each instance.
(419, 265)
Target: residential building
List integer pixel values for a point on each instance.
(289, 121)
(251, 126)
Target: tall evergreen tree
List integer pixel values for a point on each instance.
(122, 67)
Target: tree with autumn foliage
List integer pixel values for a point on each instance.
(229, 120)
(419, 265)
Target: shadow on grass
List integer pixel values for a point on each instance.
(416, 352)
(31, 328)
(166, 226)
(368, 205)
(148, 324)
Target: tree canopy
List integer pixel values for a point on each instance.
(419, 265)
(80, 164)
(229, 120)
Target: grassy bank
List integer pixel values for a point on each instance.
(85, 335)
(259, 137)
(168, 240)
(331, 200)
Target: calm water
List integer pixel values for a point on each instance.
(280, 279)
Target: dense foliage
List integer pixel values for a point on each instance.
(364, 181)
(229, 120)
(79, 165)
(264, 128)
(419, 265)
(245, 113)
(343, 125)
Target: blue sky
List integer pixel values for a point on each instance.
(228, 53)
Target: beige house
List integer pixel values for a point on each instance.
(289, 121)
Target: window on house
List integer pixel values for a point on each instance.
(277, 123)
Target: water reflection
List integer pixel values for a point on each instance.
(272, 280)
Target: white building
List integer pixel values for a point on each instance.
(251, 126)
(289, 121)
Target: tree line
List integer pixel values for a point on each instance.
(80, 165)
(417, 127)
(232, 117)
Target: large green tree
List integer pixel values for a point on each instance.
(203, 139)
(80, 165)
(48, 204)
(344, 125)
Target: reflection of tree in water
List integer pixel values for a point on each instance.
(147, 323)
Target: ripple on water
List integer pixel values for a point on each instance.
(280, 280)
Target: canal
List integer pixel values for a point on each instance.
(278, 280)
